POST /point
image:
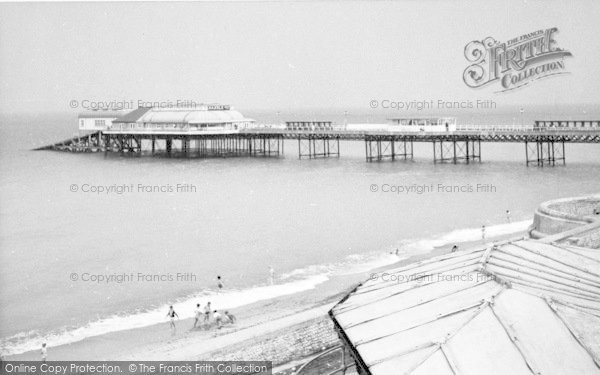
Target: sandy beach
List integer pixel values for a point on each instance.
(257, 335)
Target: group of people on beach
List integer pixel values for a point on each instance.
(206, 314)
(203, 317)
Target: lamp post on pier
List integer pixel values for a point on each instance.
(521, 110)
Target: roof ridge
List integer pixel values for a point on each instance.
(419, 304)
(566, 324)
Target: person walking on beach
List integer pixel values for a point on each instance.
(454, 249)
(207, 312)
(508, 216)
(219, 282)
(44, 352)
(197, 315)
(483, 232)
(172, 315)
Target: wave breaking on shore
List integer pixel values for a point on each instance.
(296, 281)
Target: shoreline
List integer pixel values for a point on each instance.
(255, 320)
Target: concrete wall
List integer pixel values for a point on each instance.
(560, 215)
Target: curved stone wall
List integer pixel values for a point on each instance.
(561, 215)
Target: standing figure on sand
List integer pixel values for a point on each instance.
(172, 315)
(197, 315)
(483, 232)
(207, 311)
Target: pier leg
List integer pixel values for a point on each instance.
(547, 151)
(454, 151)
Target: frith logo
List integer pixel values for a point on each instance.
(515, 63)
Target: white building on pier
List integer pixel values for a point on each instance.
(199, 119)
(94, 121)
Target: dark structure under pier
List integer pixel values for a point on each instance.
(457, 149)
(314, 146)
(382, 147)
(203, 145)
(545, 151)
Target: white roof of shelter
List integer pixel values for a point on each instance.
(192, 116)
(101, 114)
(521, 307)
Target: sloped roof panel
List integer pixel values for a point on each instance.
(485, 336)
(538, 330)
(424, 335)
(545, 295)
(436, 364)
(404, 364)
(364, 329)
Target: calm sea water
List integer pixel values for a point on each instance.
(308, 219)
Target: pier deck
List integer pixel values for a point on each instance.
(543, 146)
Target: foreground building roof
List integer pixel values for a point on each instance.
(523, 307)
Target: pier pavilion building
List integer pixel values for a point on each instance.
(204, 119)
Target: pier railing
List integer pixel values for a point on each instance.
(341, 129)
(539, 126)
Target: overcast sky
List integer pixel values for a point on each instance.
(268, 55)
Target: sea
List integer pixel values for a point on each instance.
(93, 243)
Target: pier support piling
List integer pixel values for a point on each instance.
(455, 150)
(382, 147)
(545, 151)
(318, 146)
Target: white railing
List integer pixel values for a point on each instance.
(494, 128)
(345, 129)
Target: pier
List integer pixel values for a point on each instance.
(218, 131)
